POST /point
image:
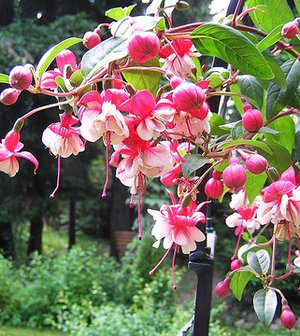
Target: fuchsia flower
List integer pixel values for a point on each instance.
(281, 205)
(10, 151)
(177, 224)
(62, 138)
(244, 217)
(178, 57)
(150, 115)
(100, 114)
(20, 77)
(66, 65)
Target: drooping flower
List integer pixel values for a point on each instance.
(244, 217)
(150, 115)
(10, 151)
(177, 224)
(66, 65)
(63, 138)
(100, 114)
(178, 57)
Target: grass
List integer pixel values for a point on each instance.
(7, 331)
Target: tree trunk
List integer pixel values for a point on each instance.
(6, 240)
(36, 232)
(72, 232)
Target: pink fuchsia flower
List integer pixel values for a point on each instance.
(10, 151)
(252, 120)
(244, 217)
(150, 116)
(176, 224)
(241, 200)
(143, 46)
(62, 138)
(66, 65)
(290, 29)
(101, 115)
(142, 157)
(234, 176)
(178, 58)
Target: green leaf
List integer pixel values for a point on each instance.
(278, 98)
(124, 29)
(252, 247)
(285, 126)
(50, 55)
(237, 100)
(297, 141)
(215, 121)
(254, 184)
(249, 143)
(119, 13)
(144, 79)
(192, 163)
(259, 261)
(231, 46)
(297, 4)
(4, 78)
(100, 56)
(237, 131)
(239, 282)
(267, 130)
(279, 78)
(265, 304)
(270, 13)
(273, 37)
(252, 90)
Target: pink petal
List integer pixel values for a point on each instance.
(115, 96)
(28, 156)
(92, 100)
(142, 104)
(65, 57)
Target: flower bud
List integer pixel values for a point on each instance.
(11, 140)
(235, 264)
(223, 287)
(20, 77)
(247, 106)
(256, 164)
(214, 188)
(188, 97)
(252, 120)
(290, 29)
(182, 5)
(143, 46)
(234, 176)
(216, 175)
(287, 317)
(273, 173)
(91, 39)
(9, 96)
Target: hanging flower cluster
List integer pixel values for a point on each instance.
(145, 95)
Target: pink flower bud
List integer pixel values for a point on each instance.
(143, 46)
(91, 39)
(234, 176)
(188, 97)
(290, 29)
(247, 106)
(11, 140)
(214, 188)
(223, 287)
(287, 318)
(252, 120)
(9, 96)
(256, 163)
(235, 264)
(20, 77)
(66, 58)
(175, 81)
(216, 175)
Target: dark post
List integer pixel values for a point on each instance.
(201, 260)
